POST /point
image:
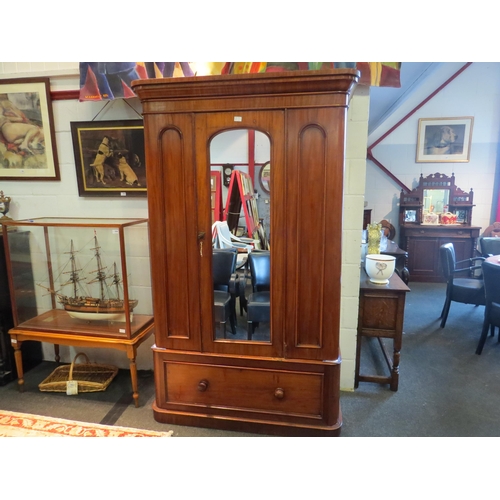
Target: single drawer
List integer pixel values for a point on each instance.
(439, 232)
(244, 388)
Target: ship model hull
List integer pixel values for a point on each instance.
(91, 309)
(86, 307)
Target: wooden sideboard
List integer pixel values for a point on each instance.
(426, 222)
(381, 315)
(422, 243)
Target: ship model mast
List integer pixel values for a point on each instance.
(88, 307)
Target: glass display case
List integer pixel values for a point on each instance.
(91, 276)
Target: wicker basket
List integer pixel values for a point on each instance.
(91, 377)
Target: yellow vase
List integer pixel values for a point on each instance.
(374, 234)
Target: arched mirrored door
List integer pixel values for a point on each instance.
(241, 258)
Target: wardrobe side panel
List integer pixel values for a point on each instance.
(315, 164)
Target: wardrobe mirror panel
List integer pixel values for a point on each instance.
(241, 258)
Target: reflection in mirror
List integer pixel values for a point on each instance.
(265, 177)
(436, 200)
(241, 260)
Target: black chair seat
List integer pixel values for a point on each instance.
(226, 287)
(222, 310)
(464, 290)
(259, 300)
(258, 306)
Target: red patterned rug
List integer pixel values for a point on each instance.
(26, 425)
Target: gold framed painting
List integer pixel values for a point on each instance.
(110, 158)
(27, 138)
(444, 140)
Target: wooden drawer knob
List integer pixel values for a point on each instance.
(279, 393)
(203, 385)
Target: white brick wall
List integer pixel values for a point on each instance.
(354, 189)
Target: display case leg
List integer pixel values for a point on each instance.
(56, 353)
(133, 375)
(18, 355)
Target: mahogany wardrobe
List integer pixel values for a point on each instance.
(286, 379)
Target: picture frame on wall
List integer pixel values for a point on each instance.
(110, 158)
(444, 140)
(27, 138)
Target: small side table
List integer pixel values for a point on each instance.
(19, 335)
(381, 315)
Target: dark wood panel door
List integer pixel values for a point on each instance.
(314, 187)
(463, 248)
(208, 126)
(173, 227)
(423, 256)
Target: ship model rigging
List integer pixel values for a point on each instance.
(109, 305)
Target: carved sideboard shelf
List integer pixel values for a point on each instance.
(434, 213)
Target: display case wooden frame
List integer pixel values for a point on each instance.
(55, 241)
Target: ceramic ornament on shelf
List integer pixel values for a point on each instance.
(380, 268)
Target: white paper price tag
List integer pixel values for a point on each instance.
(71, 387)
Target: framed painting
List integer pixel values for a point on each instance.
(110, 158)
(444, 140)
(461, 216)
(410, 216)
(27, 139)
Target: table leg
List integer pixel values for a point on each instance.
(358, 360)
(56, 353)
(131, 354)
(395, 365)
(18, 355)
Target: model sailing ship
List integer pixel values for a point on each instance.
(105, 307)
